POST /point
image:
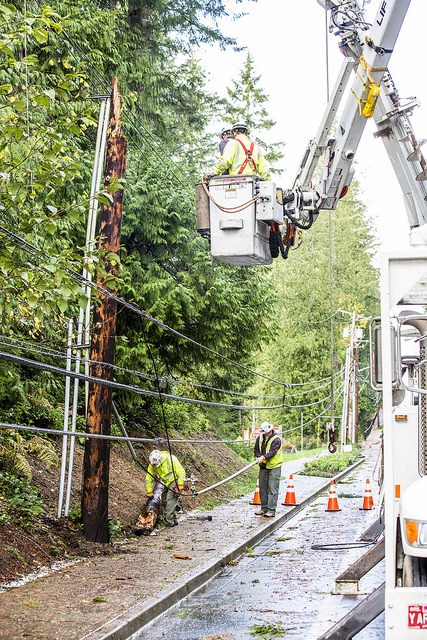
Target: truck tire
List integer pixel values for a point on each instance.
(414, 572)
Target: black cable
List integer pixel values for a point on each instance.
(296, 223)
(30, 347)
(127, 305)
(125, 387)
(343, 546)
(165, 424)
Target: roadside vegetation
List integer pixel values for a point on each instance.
(242, 322)
(330, 464)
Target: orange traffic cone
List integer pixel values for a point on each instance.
(368, 501)
(290, 493)
(256, 498)
(333, 500)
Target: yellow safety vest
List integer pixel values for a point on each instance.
(167, 471)
(277, 459)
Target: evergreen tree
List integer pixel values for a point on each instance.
(165, 266)
(246, 101)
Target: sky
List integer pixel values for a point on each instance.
(287, 41)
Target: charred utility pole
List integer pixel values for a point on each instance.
(96, 464)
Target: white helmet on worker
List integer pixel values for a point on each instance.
(155, 458)
(226, 128)
(266, 427)
(240, 127)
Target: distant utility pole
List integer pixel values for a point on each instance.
(350, 432)
(96, 464)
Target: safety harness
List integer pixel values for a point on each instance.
(248, 153)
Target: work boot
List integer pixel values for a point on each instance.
(171, 524)
(269, 514)
(261, 512)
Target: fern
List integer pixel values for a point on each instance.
(15, 451)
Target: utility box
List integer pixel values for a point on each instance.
(241, 209)
(267, 208)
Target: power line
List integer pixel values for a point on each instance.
(124, 387)
(96, 436)
(23, 346)
(131, 307)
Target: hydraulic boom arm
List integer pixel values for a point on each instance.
(367, 50)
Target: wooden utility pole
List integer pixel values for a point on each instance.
(96, 464)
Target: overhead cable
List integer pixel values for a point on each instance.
(131, 307)
(34, 364)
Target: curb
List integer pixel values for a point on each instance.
(131, 621)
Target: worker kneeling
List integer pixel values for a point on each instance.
(268, 450)
(165, 468)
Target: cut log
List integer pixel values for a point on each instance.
(148, 517)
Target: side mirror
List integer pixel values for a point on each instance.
(375, 349)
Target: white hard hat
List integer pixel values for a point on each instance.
(265, 427)
(240, 126)
(155, 458)
(226, 128)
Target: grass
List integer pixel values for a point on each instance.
(305, 453)
(330, 465)
(267, 631)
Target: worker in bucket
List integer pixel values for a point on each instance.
(225, 136)
(268, 450)
(242, 156)
(166, 468)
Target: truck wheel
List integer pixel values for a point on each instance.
(414, 572)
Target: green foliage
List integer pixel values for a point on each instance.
(40, 125)
(267, 631)
(244, 451)
(19, 499)
(15, 450)
(75, 516)
(330, 465)
(114, 530)
(246, 101)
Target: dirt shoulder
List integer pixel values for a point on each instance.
(47, 540)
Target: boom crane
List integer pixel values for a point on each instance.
(367, 52)
(401, 377)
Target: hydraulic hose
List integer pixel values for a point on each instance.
(218, 484)
(298, 224)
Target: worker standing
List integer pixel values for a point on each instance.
(242, 156)
(268, 450)
(166, 468)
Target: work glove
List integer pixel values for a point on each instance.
(181, 487)
(175, 490)
(262, 459)
(149, 495)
